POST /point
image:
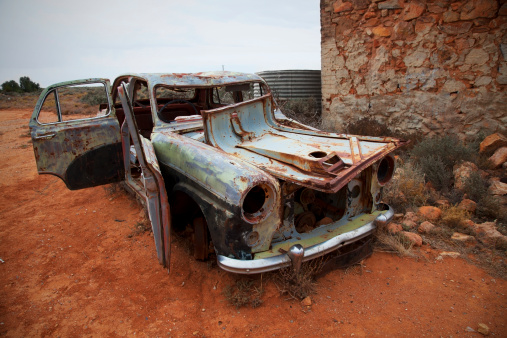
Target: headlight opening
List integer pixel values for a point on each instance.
(258, 203)
(385, 170)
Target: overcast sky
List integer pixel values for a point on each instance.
(53, 41)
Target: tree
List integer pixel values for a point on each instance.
(27, 85)
(11, 86)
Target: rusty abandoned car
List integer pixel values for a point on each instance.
(211, 150)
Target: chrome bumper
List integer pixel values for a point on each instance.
(283, 260)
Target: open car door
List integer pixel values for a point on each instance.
(76, 138)
(151, 184)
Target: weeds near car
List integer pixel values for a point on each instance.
(114, 189)
(397, 243)
(368, 126)
(140, 228)
(298, 285)
(243, 293)
(407, 189)
(306, 111)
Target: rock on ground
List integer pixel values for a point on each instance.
(394, 228)
(499, 157)
(492, 142)
(483, 329)
(430, 213)
(462, 172)
(468, 205)
(411, 216)
(488, 234)
(459, 237)
(408, 224)
(307, 301)
(425, 227)
(415, 239)
(497, 188)
(451, 254)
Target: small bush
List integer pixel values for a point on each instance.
(397, 243)
(436, 172)
(94, 96)
(476, 187)
(407, 189)
(298, 286)
(454, 218)
(490, 207)
(244, 292)
(307, 111)
(436, 157)
(368, 126)
(140, 228)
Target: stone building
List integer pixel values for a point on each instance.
(428, 67)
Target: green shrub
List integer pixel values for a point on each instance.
(28, 85)
(436, 157)
(25, 86)
(94, 96)
(476, 187)
(436, 172)
(490, 207)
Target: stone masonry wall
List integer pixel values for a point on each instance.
(429, 67)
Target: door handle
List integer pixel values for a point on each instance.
(45, 136)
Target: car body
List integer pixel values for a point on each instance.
(206, 149)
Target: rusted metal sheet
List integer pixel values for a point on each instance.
(322, 161)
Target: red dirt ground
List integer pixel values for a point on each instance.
(71, 267)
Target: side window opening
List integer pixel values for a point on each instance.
(141, 105)
(236, 93)
(173, 103)
(49, 111)
(74, 102)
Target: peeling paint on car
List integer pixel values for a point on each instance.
(264, 189)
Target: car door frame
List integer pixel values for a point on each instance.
(153, 189)
(84, 152)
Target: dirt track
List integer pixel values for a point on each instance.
(72, 265)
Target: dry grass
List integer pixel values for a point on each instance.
(397, 243)
(454, 218)
(243, 293)
(114, 190)
(407, 189)
(492, 261)
(305, 111)
(140, 228)
(83, 101)
(298, 286)
(18, 100)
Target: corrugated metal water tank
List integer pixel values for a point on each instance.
(293, 84)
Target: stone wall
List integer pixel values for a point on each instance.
(427, 67)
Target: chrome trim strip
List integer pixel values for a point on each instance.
(282, 260)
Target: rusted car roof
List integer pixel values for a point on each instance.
(202, 79)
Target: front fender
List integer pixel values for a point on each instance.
(218, 182)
